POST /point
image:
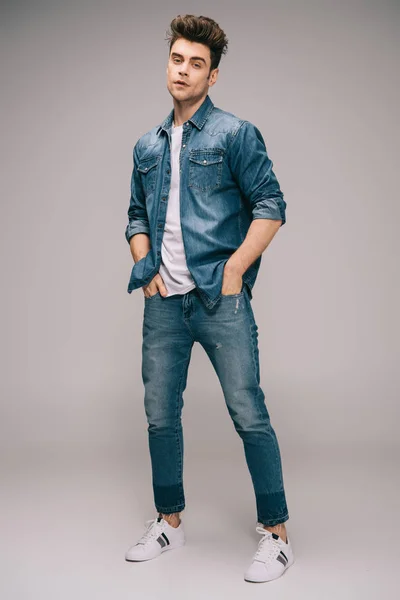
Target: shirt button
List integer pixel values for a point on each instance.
(163, 198)
(160, 226)
(184, 146)
(158, 253)
(168, 172)
(204, 161)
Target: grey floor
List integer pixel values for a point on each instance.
(66, 521)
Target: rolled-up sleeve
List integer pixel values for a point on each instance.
(252, 169)
(137, 213)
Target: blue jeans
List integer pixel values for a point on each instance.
(228, 334)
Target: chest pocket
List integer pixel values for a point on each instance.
(205, 168)
(148, 169)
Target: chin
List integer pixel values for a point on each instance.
(180, 94)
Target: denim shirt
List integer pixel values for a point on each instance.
(226, 181)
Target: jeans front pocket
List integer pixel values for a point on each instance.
(152, 296)
(242, 291)
(205, 168)
(232, 295)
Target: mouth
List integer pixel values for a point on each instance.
(180, 83)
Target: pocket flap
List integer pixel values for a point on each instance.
(206, 157)
(148, 163)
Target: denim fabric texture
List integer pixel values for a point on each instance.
(229, 335)
(226, 181)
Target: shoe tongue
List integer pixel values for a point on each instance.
(276, 536)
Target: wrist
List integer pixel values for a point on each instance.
(234, 265)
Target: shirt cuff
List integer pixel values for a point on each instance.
(269, 209)
(136, 227)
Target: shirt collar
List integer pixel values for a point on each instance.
(198, 119)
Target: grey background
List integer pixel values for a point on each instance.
(81, 82)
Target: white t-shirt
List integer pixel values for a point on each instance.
(173, 267)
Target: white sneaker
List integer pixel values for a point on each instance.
(272, 558)
(158, 537)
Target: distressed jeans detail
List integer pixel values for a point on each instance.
(229, 334)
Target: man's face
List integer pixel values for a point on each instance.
(189, 62)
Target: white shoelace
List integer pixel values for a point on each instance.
(268, 547)
(154, 529)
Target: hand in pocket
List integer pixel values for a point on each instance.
(155, 285)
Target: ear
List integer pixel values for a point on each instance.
(214, 75)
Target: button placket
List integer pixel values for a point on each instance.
(160, 226)
(184, 134)
(185, 138)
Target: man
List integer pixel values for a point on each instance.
(204, 205)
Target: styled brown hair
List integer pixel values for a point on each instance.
(202, 30)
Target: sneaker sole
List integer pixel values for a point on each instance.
(265, 580)
(170, 547)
